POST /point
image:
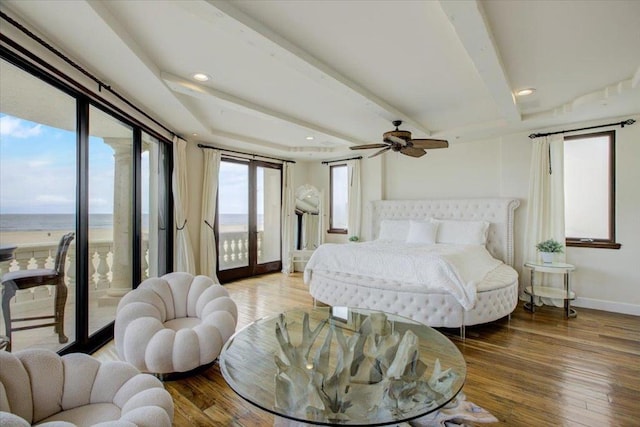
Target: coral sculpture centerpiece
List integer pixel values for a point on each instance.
(377, 370)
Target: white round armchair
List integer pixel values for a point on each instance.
(38, 386)
(174, 323)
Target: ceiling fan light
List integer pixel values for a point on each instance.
(525, 92)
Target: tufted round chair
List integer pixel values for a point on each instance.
(174, 323)
(38, 386)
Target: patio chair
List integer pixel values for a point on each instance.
(30, 278)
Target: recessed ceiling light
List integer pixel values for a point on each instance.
(201, 77)
(525, 92)
(309, 138)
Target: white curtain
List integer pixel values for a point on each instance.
(545, 210)
(288, 216)
(355, 198)
(208, 244)
(183, 256)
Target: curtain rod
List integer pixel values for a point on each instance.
(101, 84)
(621, 124)
(326, 162)
(245, 154)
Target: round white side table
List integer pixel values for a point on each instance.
(539, 290)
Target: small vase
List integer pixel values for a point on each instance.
(547, 257)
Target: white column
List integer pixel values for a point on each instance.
(122, 186)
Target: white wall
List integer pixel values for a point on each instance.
(606, 279)
(462, 170)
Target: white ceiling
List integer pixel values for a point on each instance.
(341, 71)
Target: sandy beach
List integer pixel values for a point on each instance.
(41, 237)
(21, 238)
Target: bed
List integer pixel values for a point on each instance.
(470, 278)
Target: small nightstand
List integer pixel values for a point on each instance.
(547, 291)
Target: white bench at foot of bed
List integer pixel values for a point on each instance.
(497, 297)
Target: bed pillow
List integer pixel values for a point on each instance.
(424, 232)
(462, 232)
(394, 230)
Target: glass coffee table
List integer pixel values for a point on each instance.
(347, 366)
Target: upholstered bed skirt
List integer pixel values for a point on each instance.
(497, 297)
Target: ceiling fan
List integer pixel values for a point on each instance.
(400, 140)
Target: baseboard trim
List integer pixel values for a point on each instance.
(613, 306)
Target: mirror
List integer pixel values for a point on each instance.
(308, 211)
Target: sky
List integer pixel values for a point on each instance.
(38, 173)
(38, 170)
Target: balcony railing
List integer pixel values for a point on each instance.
(233, 246)
(234, 249)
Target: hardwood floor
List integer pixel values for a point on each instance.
(532, 370)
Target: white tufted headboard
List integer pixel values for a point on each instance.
(499, 212)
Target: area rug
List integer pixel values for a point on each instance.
(455, 414)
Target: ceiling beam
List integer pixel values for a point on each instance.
(261, 37)
(471, 26)
(119, 30)
(262, 144)
(100, 8)
(231, 102)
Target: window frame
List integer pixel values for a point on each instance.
(588, 242)
(332, 229)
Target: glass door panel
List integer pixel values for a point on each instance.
(110, 215)
(154, 208)
(269, 189)
(233, 215)
(248, 218)
(37, 201)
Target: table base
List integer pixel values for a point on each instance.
(457, 413)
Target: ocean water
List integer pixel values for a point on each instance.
(45, 222)
(52, 222)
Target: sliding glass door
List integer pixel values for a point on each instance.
(38, 187)
(248, 218)
(70, 164)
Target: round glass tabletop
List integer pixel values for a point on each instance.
(338, 365)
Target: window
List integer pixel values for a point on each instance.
(339, 199)
(589, 182)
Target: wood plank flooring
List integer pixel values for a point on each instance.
(532, 370)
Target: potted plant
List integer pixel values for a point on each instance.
(547, 250)
(354, 238)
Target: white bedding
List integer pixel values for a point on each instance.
(455, 269)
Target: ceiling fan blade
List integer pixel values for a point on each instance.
(380, 152)
(366, 146)
(413, 151)
(397, 140)
(429, 143)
